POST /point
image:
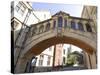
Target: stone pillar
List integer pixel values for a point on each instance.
(16, 53)
(63, 25)
(45, 26)
(52, 23)
(84, 58)
(63, 22)
(92, 27)
(21, 65)
(69, 23)
(53, 64)
(56, 19)
(88, 65)
(93, 60)
(84, 26)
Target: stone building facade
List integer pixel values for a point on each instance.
(90, 12)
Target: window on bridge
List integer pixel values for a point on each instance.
(80, 26)
(88, 27)
(73, 25)
(41, 29)
(54, 24)
(60, 21)
(65, 23)
(33, 31)
(47, 26)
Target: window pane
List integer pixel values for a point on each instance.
(41, 29)
(34, 30)
(47, 26)
(88, 27)
(60, 21)
(18, 6)
(73, 25)
(80, 27)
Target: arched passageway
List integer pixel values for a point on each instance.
(39, 47)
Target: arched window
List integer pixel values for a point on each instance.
(73, 25)
(41, 29)
(80, 26)
(54, 24)
(47, 26)
(60, 21)
(65, 23)
(33, 30)
(88, 27)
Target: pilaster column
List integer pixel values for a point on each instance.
(93, 60)
(20, 66)
(87, 61)
(84, 26)
(92, 27)
(63, 21)
(69, 23)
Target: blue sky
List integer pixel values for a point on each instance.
(72, 9)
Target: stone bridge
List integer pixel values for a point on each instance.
(61, 28)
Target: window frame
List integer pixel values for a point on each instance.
(73, 25)
(88, 27)
(80, 26)
(60, 21)
(41, 28)
(20, 8)
(47, 26)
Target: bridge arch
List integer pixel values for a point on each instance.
(84, 38)
(52, 39)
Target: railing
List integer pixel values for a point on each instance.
(59, 31)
